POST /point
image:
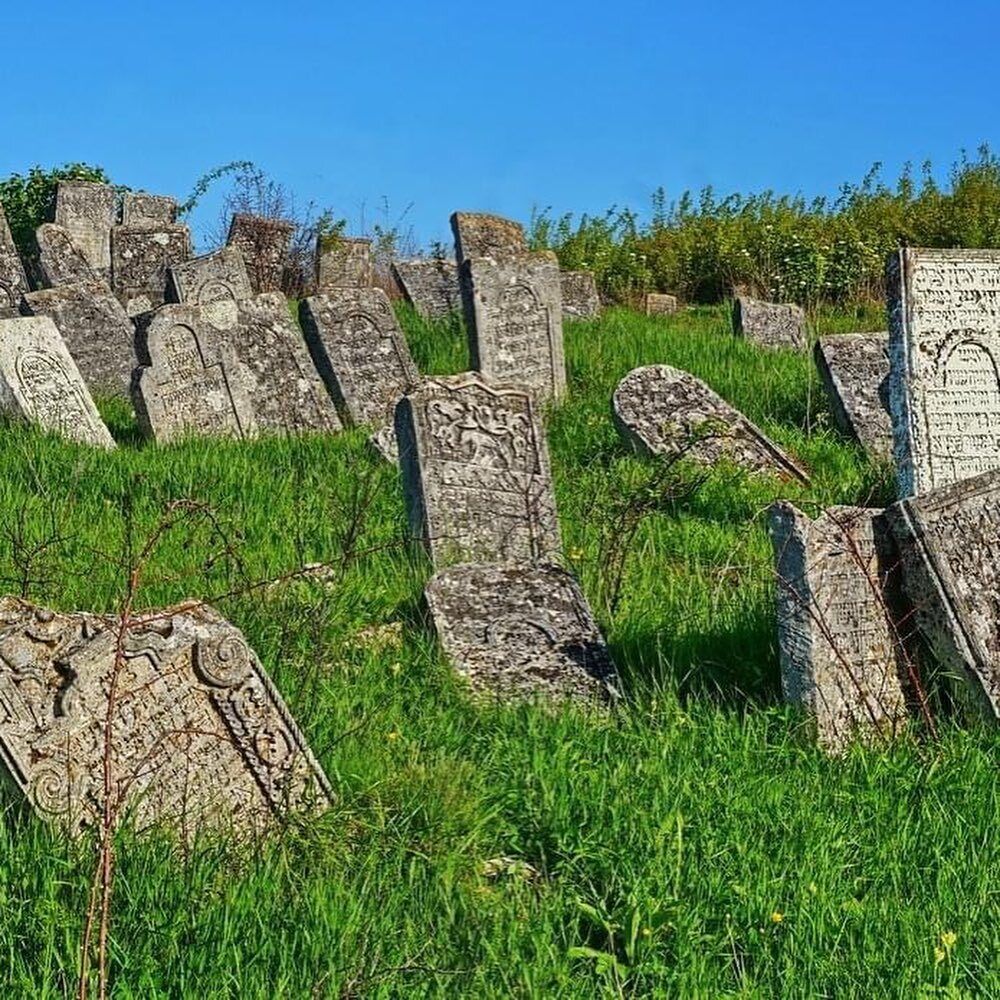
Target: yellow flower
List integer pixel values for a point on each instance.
(576, 554)
(948, 939)
(394, 735)
(777, 917)
(395, 668)
(939, 954)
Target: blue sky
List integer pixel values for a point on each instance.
(497, 106)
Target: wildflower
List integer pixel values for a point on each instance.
(777, 917)
(948, 939)
(395, 669)
(576, 554)
(393, 735)
(939, 954)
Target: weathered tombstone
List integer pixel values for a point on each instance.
(96, 330)
(59, 262)
(142, 209)
(198, 735)
(343, 262)
(854, 369)
(514, 319)
(838, 601)
(40, 383)
(430, 285)
(944, 358)
(478, 234)
(86, 210)
(265, 245)
(579, 295)
(770, 324)
(520, 632)
(141, 257)
(13, 281)
(659, 304)
(661, 410)
(190, 382)
(476, 472)
(216, 281)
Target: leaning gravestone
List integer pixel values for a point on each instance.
(476, 472)
(198, 734)
(216, 281)
(430, 285)
(343, 262)
(841, 656)
(944, 353)
(142, 209)
(661, 410)
(40, 383)
(13, 281)
(855, 373)
(770, 324)
(660, 304)
(579, 295)
(191, 382)
(520, 632)
(86, 211)
(59, 262)
(141, 258)
(478, 234)
(265, 245)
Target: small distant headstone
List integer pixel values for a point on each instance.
(142, 209)
(476, 471)
(770, 324)
(478, 234)
(344, 262)
(662, 410)
(59, 261)
(521, 632)
(855, 373)
(430, 285)
(265, 245)
(40, 383)
(86, 210)
(579, 295)
(216, 281)
(660, 304)
(141, 257)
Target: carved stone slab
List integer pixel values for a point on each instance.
(770, 324)
(198, 737)
(661, 410)
(478, 234)
(944, 352)
(579, 295)
(344, 262)
(216, 280)
(191, 382)
(520, 632)
(429, 285)
(514, 318)
(141, 257)
(142, 209)
(59, 261)
(660, 304)
(841, 658)
(40, 383)
(87, 211)
(13, 281)
(855, 373)
(265, 245)
(476, 472)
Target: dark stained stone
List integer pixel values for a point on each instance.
(430, 285)
(579, 295)
(478, 234)
(13, 281)
(141, 257)
(265, 245)
(769, 323)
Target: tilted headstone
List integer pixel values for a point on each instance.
(40, 383)
(198, 734)
(142, 209)
(660, 304)
(343, 262)
(478, 234)
(430, 285)
(265, 245)
(579, 295)
(216, 281)
(841, 656)
(517, 632)
(662, 410)
(59, 262)
(944, 365)
(86, 210)
(141, 258)
(476, 472)
(770, 324)
(191, 382)
(855, 373)
(13, 281)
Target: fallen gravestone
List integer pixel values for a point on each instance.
(141, 258)
(659, 304)
(216, 281)
(520, 632)
(13, 281)
(661, 410)
(343, 262)
(40, 383)
(265, 245)
(142, 209)
(86, 211)
(841, 657)
(58, 260)
(770, 324)
(944, 353)
(478, 234)
(198, 734)
(579, 295)
(430, 285)
(476, 473)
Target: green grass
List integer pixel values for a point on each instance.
(666, 837)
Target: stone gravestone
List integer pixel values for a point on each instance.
(59, 262)
(520, 632)
(661, 410)
(769, 323)
(476, 472)
(841, 656)
(191, 382)
(854, 369)
(514, 318)
(478, 234)
(141, 258)
(430, 285)
(944, 353)
(142, 209)
(86, 211)
(659, 304)
(343, 262)
(96, 330)
(216, 281)
(579, 295)
(13, 281)
(198, 736)
(265, 245)
(40, 383)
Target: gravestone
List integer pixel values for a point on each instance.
(579, 295)
(59, 262)
(516, 632)
(142, 209)
(838, 595)
(660, 304)
(478, 234)
(514, 319)
(265, 245)
(343, 262)
(944, 353)
(430, 285)
(215, 281)
(770, 324)
(86, 210)
(661, 410)
(141, 257)
(854, 369)
(198, 735)
(40, 383)
(190, 382)
(476, 472)
(96, 330)
(13, 281)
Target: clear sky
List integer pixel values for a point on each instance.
(498, 106)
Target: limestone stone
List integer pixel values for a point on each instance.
(216, 281)
(191, 381)
(841, 657)
(944, 353)
(344, 262)
(521, 632)
(662, 410)
(430, 285)
(86, 210)
(198, 735)
(13, 281)
(660, 304)
(59, 262)
(476, 474)
(265, 245)
(478, 234)
(40, 383)
(854, 368)
(579, 295)
(770, 324)
(141, 257)
(142, 209)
